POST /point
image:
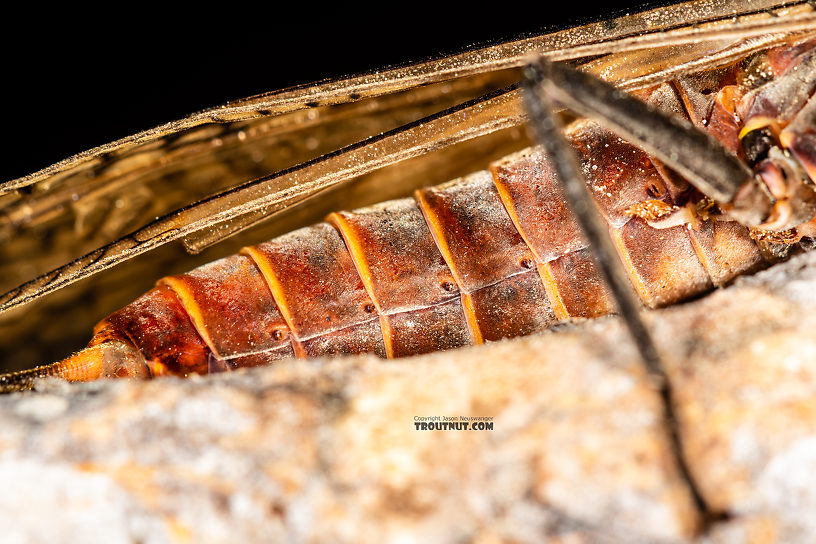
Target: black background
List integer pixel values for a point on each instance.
(75, 80)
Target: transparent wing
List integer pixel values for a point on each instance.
(661, 27)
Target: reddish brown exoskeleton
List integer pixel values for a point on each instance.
(494, 254)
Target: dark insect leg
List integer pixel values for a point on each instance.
(697, 156)
(546, 131)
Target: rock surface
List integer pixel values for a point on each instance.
(330, 451)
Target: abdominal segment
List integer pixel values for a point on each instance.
(493, 255)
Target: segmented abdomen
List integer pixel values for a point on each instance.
(493, 255)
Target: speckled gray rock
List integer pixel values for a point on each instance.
(329, 450)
